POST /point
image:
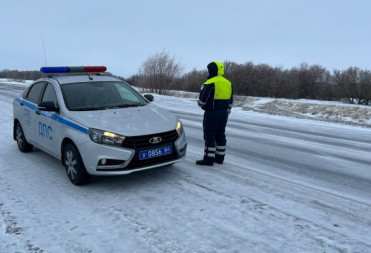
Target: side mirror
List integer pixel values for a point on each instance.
(149, 97)
(48, 106)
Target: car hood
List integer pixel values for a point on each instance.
(132, 121)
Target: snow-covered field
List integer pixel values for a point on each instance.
(329, 111)
(289, 184)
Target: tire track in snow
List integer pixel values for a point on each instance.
(322, 204)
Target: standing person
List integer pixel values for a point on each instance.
(216, 99)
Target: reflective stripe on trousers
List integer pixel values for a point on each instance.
(210, 152)
(220, 150)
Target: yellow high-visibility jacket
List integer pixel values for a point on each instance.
(216, 93)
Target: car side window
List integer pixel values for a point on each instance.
(50, 95)
(35, 92)
(126, 93)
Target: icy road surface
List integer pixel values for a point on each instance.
(287, 185)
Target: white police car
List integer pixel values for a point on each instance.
(96, 125)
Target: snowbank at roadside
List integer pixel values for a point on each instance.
(331, 111)
(16, 82)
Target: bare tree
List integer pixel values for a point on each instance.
(193, 80)
(355, 84)
(159, 72)
(241, 76)
(365, 87)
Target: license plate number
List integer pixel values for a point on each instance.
(156, 152)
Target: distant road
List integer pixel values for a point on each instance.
(11, 90)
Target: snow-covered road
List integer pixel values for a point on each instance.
(287, 185)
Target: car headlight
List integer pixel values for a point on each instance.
(103, 137)
(179, 128)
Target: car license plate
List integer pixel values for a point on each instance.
(156, 152)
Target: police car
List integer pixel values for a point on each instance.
(95, 124)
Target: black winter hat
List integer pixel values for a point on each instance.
(213, 69)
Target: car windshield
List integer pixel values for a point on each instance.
(88, 96)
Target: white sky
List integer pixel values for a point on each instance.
(122, 34)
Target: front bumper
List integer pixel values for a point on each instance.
(121, 161)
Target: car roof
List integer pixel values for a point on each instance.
(82, 78)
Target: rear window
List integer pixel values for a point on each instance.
(35, 92)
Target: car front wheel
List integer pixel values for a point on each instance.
(74, 165)
(22, 144)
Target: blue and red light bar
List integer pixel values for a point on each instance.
(82, 69)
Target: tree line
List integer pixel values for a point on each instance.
(161, 74)
(20, 75)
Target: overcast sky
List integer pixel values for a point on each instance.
(122, 34)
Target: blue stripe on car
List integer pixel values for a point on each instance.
(54, 117)
(71, 124)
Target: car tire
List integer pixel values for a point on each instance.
(74, 165)
(22, 143)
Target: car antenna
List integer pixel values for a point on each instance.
(42, 38)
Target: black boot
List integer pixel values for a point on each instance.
(219, 159)
(208, 161)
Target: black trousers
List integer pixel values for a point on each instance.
(214, 133)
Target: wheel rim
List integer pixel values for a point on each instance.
(71, 162)
(19, 136)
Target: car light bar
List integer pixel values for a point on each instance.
(81, 69)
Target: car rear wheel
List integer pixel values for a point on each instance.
(74, 165)
(22, 144)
